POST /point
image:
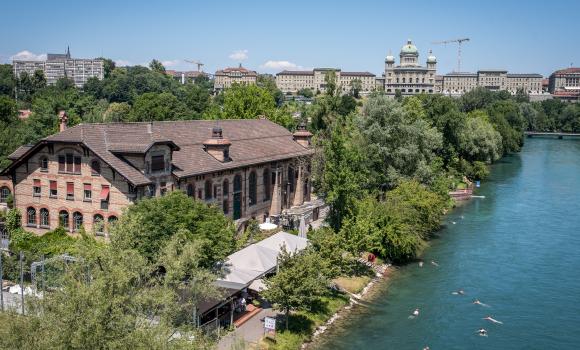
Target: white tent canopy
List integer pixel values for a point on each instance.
(251, 263)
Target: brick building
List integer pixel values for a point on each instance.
(87, 174)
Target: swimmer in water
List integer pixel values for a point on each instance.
(453, 222)
(491, 319)
(482, 332)
(420, 264)
(415, 313)
(477, 302)
(426, 348)
(434, 263)
(458, 292)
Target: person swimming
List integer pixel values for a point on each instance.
(491, 319)
(477, 302)
(458, 292)
(426, 348)
(420, 264)
(415, 313)
(482, 332)
(434, 263)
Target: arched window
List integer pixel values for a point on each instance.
(77, 220)
(208, 189)
(31, 216)
(98, 224)
(291, 179)
(190, 190)
(112, 219)
(63, 219)
(237, 183)
(95, 167)
(266, 180)
(226, 188)
(44, 164)
(44, 218)
(4, 194)
(225, 195)
(253, 190)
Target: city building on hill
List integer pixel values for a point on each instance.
(84, 176)
(57, 66)
(409, 77)
(225, 78)
(458, 83)
(565, 84)
(290, 82)
(186, 76)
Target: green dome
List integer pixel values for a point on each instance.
(409, 49)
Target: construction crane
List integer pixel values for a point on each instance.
(459, 42)
(199, 64)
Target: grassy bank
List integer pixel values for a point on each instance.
(304, 323)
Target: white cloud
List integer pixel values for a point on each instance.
(122, 63)
(280, 65)
(171, 63)
(239, 55)
(29, 56)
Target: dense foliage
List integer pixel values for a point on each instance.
(139, 291)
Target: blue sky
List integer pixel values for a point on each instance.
(520, 36)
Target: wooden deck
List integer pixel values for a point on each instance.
(251, 311)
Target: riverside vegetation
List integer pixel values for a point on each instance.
(384, 166)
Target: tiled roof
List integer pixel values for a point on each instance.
(235, 69)
(311, 72)
(567, 71)
(296, 72)
(524, 75)
(19, 152)
(366, 74)
(252, 142)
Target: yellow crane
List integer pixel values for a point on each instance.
(459, 42)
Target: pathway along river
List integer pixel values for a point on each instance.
(517, 250)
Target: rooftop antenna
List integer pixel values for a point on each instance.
(459, 42)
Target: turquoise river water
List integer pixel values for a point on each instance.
(517, 250)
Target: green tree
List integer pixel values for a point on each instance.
(157, 66)
(268, 82)
(479, 141)
(331, 83)
(306, 92)
(339, 173)
(152, 106)
(247, 102)
(7, 81)
(397, 144)
(108, 66)
(196, 98)
(148, 225)
(117, 112)
(355, 88)
(299, 283)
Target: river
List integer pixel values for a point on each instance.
(517, 250)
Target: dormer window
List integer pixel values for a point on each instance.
(157, 163)
(44, 164)
(95, 168)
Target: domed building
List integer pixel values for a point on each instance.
(409, 77)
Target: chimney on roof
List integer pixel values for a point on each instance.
(303, 136)
(150, 127)
(63, 118)
(217, 146)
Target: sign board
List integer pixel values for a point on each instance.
(270, 323)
